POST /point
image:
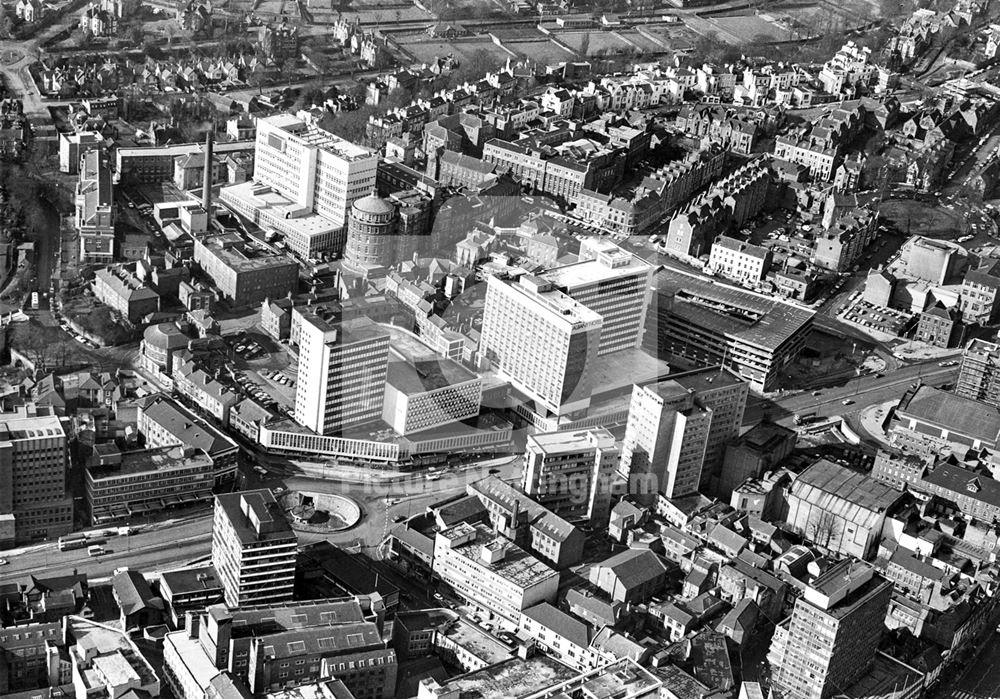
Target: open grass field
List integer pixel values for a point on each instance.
(747, 28)
(639, 41)
(918, 218)
(673, 36)
(544, 52)
(424, 50)
(600, 41)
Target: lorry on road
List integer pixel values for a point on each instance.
(804, 418)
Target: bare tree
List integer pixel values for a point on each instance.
(36, 342)
(823, 529)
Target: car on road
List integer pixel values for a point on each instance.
(816, 393)
(438, 597)
(847, 401)
(399, 518)
(950, 362)
(494, 471)
(3, 561)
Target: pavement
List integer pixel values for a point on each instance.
(862, 391)
(155, 548)
(871, 418)
(176, 542)
(982, 679)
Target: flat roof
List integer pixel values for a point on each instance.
(620, 680)
(273, 525)
(35, 427)
(189, 580)
(238, 254)
(517, 565)
(512, 678)
(426, 375)
(194, 657)
(595, 271)
(753, 318)
(420, 369)
(963, 416)
(980, 346)
(312, 135)
(294, 218)
(569, 441)
(152, 460)
(618, 371)
(478, 642)
(707, 379)
(541, 294)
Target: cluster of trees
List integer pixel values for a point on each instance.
(46, 347)
(22, 202)
(454, 10)
(353, 125)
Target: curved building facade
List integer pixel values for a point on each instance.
(371, 233)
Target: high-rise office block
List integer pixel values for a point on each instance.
(253, 548)
(542, 340)
(571, 472)
(342, 371)
(304, 182)
(317, 170)
(726, 394)
(33, 464)
(832, 636)
(665, 439)
(979, 376)
(615, 284)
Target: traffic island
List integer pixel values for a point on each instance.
(320, 513)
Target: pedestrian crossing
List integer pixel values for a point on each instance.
(965, 694)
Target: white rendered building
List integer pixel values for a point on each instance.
(543, 341)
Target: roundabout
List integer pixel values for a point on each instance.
(320, 512)
(10, 57)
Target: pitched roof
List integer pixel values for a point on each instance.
(635, 567)
(562, 624)
(593, 606)
(845, 493)
(505, 495)
(133, 592)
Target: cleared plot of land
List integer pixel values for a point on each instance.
(424, 50)
(545, 52)
(639, 41)
(673, 36)
(601, 42)
(918, 218)
(748, 28)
